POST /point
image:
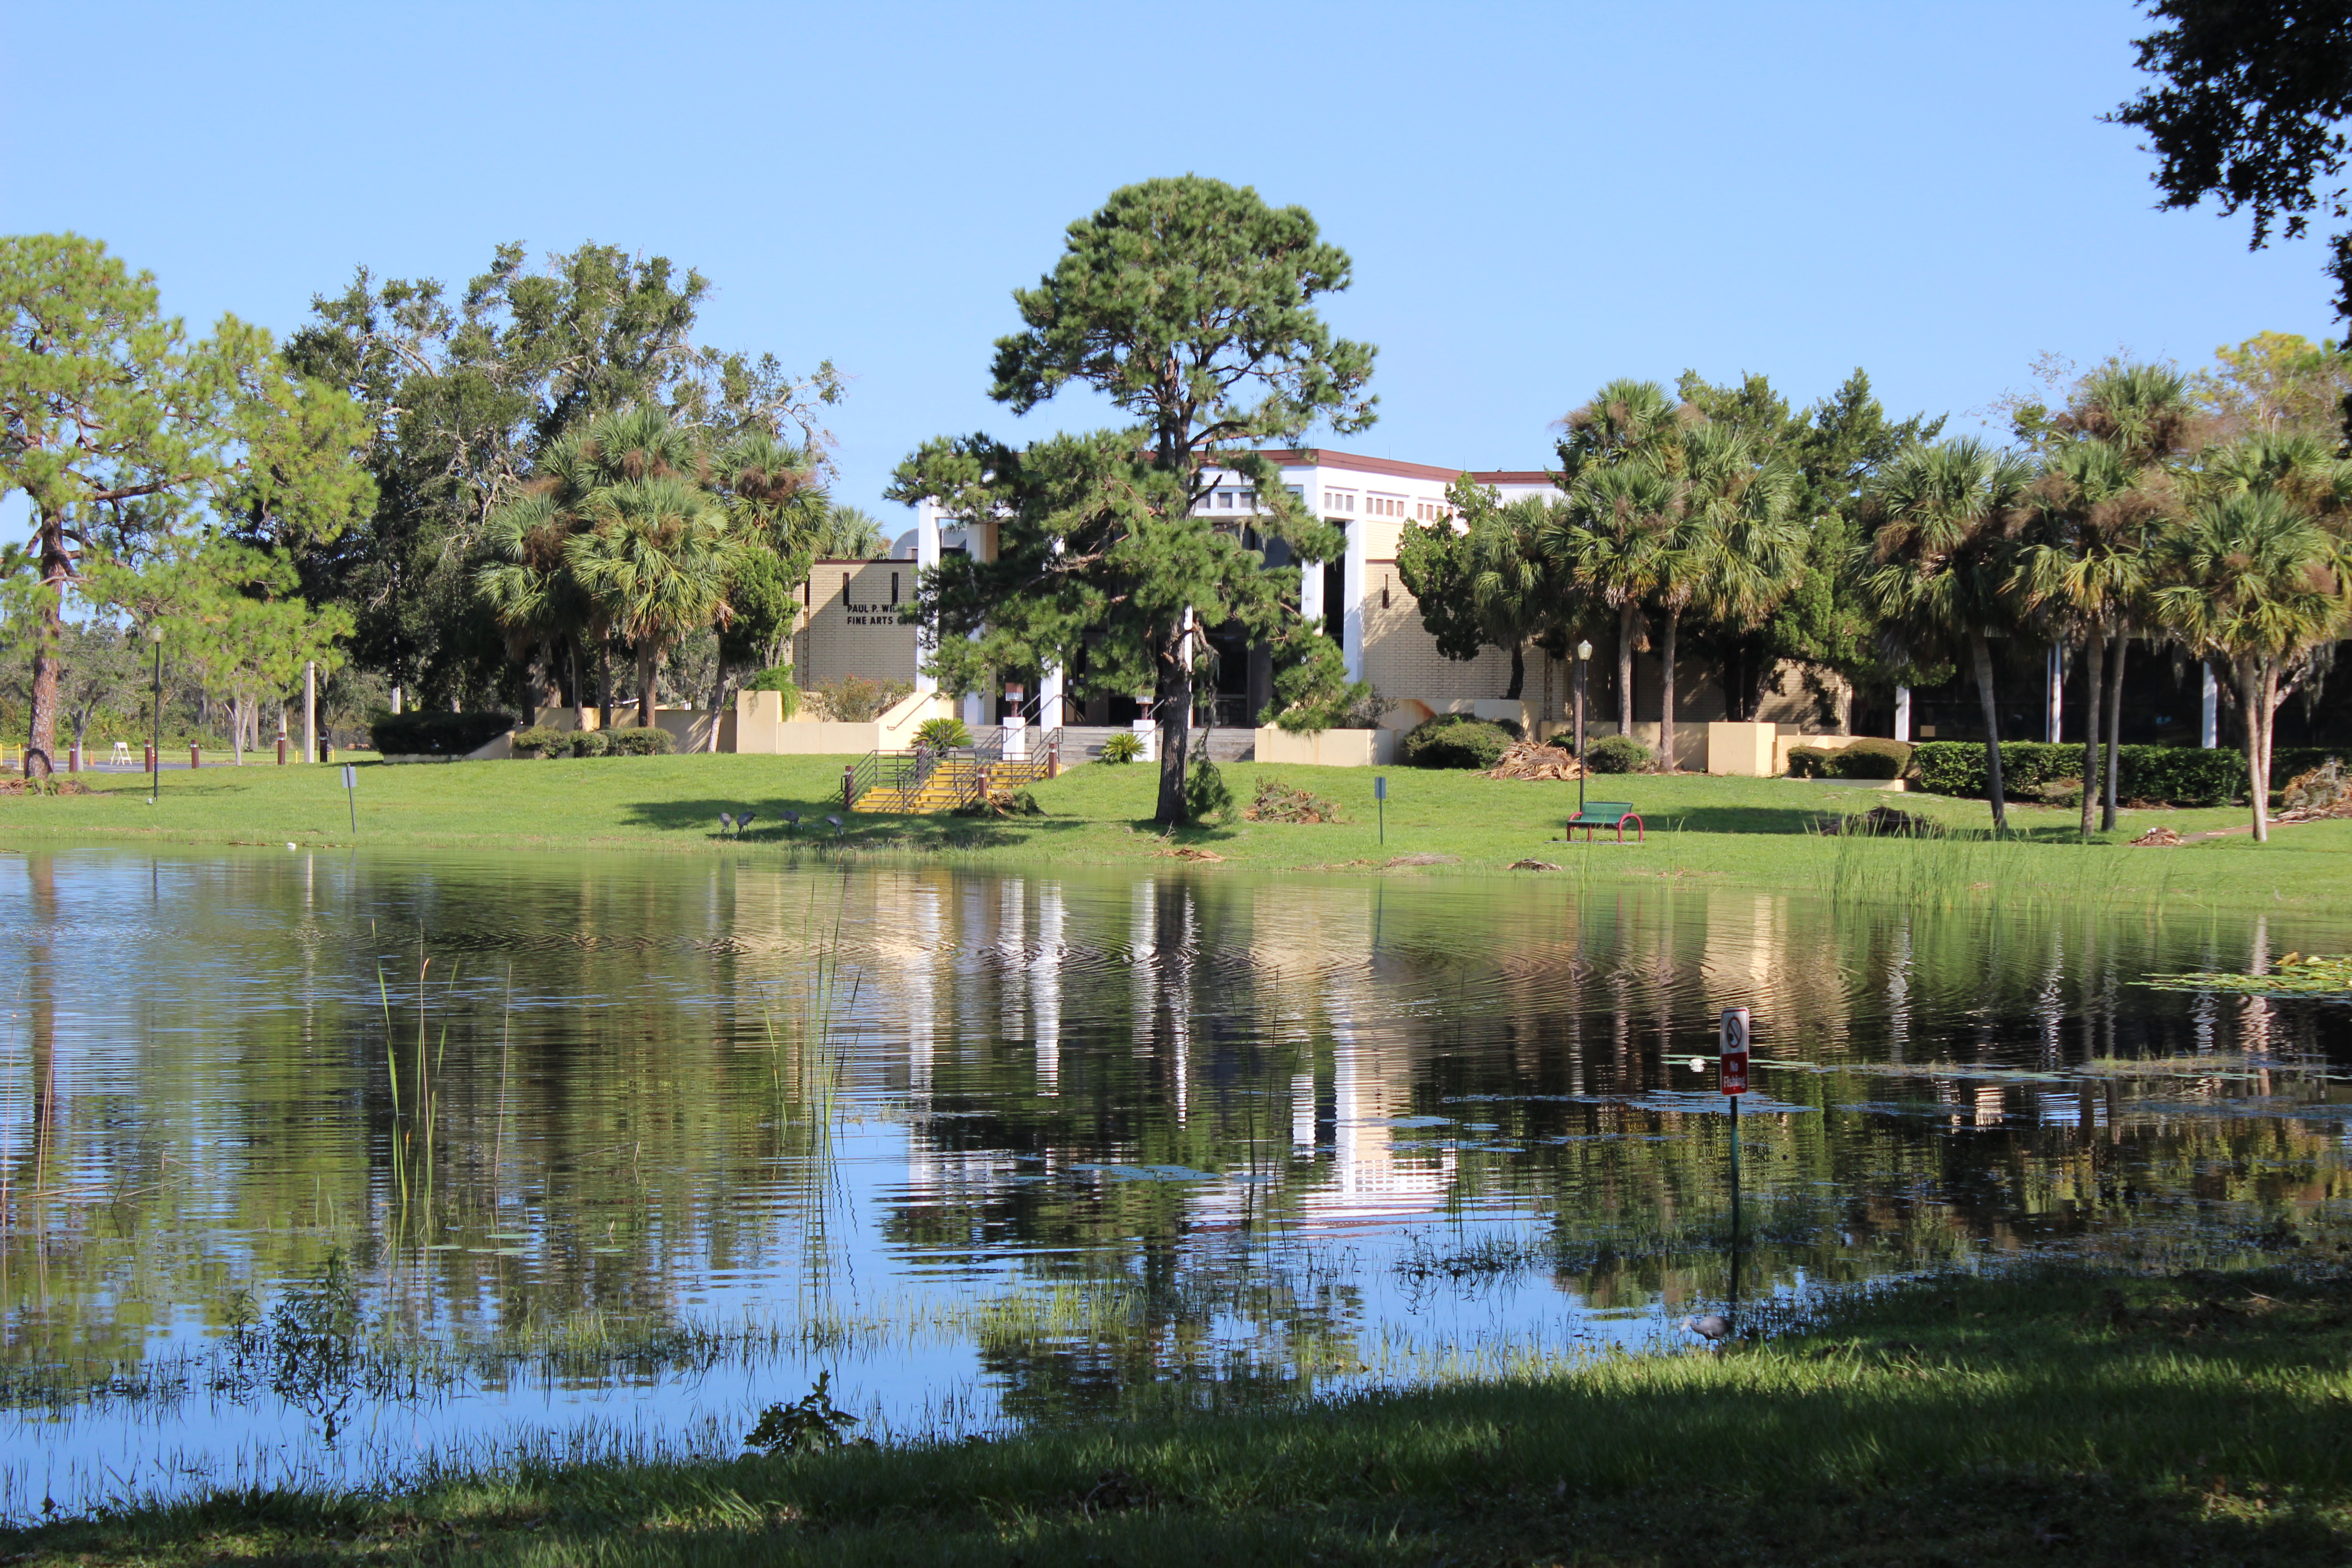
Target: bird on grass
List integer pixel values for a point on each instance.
(726, 823)
(836, 826)
(791, 819)
(1714, 1327)
(743, 822)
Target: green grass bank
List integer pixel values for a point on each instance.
(1757, 831)
(2054, 1417)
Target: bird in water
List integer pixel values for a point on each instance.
(1714, 1328)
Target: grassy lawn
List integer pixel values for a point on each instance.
(2061, 1416)
(1744, 830)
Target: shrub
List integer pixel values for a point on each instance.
(1870, 758)
(1808, 762)
(1123, 746)
(942, 734)
(591, 743)
(1205, 795)
(425, 733)
(542, 741)
(1278, 802)
(2175, 775)
(776, 677)
(855, 699)
(1616, 754)
(1456, 740)
(2060, 791)
(638, 741)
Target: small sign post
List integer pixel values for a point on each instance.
(352, 794)
(1380, 803)
(1733, 1080)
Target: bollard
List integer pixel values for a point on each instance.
(1054, 760)
(195, 758)
(281, 751)
(73, 759)
(848, 788)
(147, 761)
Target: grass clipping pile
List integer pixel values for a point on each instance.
(1535, 759)
(1278, 802)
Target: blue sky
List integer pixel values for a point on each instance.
(1536, 197)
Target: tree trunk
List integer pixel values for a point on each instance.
(1666, 691)
(2114, 730)
(2258, 761)
(1174, 700)
(648, 681)
(1518, 672)
(1980, 652)
(56, 569)
(1628, 619)
(2095, 653)
(717, 699)
(604, 683)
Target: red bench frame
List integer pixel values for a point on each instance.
(1641, 829)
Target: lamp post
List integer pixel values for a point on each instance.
(1583, 658)
(155, 779)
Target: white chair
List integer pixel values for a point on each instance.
(122, 753)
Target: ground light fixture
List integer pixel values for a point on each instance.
(155, 753)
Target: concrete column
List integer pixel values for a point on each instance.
(1049, 698)
(927, 557)
(2053, 676)
(1310, 593)
(396, 701)
(1351, 625)
(1903, 713)
(311, 710)
(2209, 731)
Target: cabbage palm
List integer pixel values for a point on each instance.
(1615, 538)
(1739, 548)
(1935, 571)
(1513, 583)
(2253, 581)
(654, 561)
(2085, 564)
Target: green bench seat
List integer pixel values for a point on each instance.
(1613, 813)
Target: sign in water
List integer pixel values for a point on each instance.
(1734, 1050)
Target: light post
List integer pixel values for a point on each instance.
(1583, 657)
(155, 779)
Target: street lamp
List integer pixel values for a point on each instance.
(156, 781)
(1583, 658)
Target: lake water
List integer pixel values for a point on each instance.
(328, 1169)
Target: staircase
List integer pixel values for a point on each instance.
(915, 784)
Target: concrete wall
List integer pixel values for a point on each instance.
(849, 623)
(689, 728)
(1331, 749)
(1401, 658)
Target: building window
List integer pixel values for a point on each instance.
(894, 587)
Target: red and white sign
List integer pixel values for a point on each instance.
(1734, 1050)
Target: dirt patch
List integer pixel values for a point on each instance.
(1186, 852)
(43, 786)
(1426, 860)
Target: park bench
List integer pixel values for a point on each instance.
(1613, 813)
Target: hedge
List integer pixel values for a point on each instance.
(425, 733)
(2178, 776)
(1456, 740)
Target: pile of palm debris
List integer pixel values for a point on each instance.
(43, 786)
(2156, 837)
(1532, 865)
(1534, 759)
(2325, 792)
(1278, 802)
(1002, 802)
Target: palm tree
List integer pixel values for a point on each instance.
(1740, 549)
(849, 534)
(1625, 420)
(1935, 568)
(1614, 539)
(2255, 582)
(1513, 581)
(655, 562)
(2085, 563)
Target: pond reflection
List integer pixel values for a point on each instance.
(625, 1146)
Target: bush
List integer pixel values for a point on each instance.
(1616, 754)
(590, 742)
(1205, 795)
(1809, 763)
(1278, 802)
(777, 678)
(1123, 746)
(637, 742)
(542, 741)
(1458, 741)
(429, 735)
(942, 734)
(1870, 758)
(853, 699)
(2175, 775)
